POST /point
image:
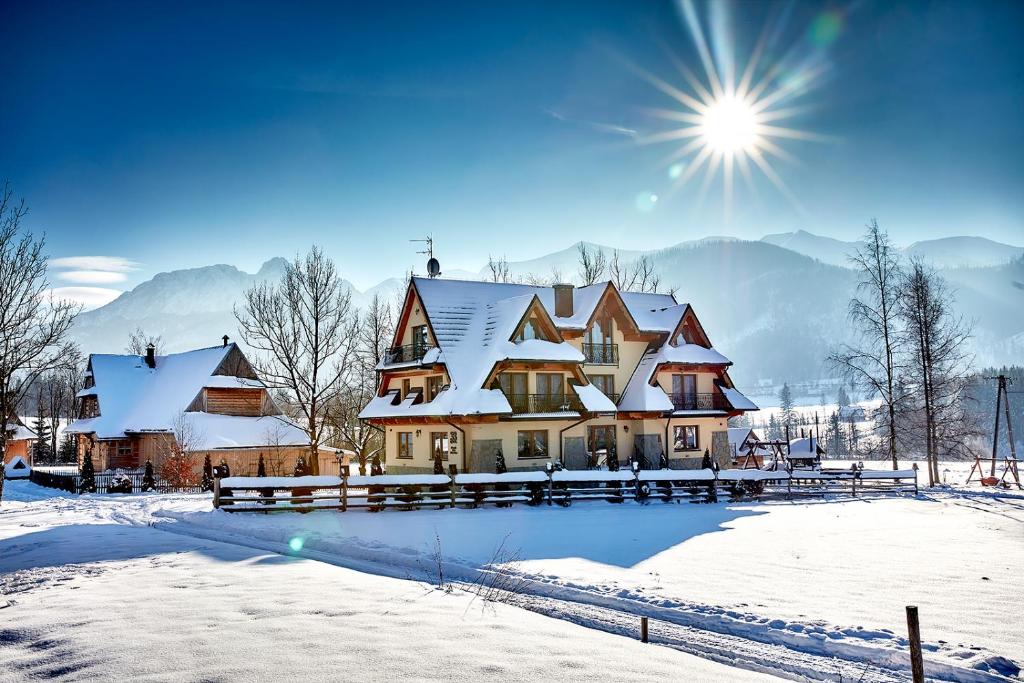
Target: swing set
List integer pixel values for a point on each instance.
(1010, 464)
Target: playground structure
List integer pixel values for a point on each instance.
(1010, 464)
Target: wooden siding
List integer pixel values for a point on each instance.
(223, 401)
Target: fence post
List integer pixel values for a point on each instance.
(216, 493)
(550, 471)
(344, 489)
(452, 471)
(916, 660)
(915, 479)
(643, 629)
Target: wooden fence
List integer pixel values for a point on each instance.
(71, 481)
(552, 487)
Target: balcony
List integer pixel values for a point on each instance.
(410, 353)
(601, 354)
(526, 404)
(713, 401)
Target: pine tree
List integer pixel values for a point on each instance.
(787, 416)
(261, 467)
(774, 430)
(613, 459)
(207, 482)
(842, 398)
(67, 449)
(41, 452)
(261, 471)
(87, 477)
(148, 480)
(499, 464)
(438, 463)
(301, 469)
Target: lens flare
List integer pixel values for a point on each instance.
(296, 543)
(731, 118)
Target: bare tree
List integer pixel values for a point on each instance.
(374, 332)
(179, 451)
(138, 341)
(939, 371)
(638, 275)
(592, 264)
(33, 324)
(498, 269)
(875, 360)
(57, 390)
(301, 330)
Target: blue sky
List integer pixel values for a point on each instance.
(174, 135)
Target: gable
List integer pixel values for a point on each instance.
(691, 330)
(537, 316)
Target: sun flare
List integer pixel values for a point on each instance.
(733, 119)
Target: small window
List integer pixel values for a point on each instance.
(406, 387)
(604, 383)
(439, 442)
(404, 446)
(529, 330)
(434, 384)
(124, 449)
(533, 443)
(420, 337)
(686, 438)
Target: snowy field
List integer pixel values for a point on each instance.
(808, 590)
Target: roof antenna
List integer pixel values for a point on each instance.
(433, 265)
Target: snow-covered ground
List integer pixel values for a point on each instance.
(805, 590)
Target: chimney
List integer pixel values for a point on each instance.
(151, 356)
(563, 300)
(225, 338)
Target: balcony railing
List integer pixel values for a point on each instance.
(601, 354)
(713, 401)
(525, 404)
(406, 354)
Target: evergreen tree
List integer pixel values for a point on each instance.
(499, 464)
(613, 459)
(774, 430)
(787, 416)
(148, 480)
(207, 482)
(87, 480)
(301, 469)
(438, 462)
(842, 398)
(261, 467)
(67, 449)
(261, 471)
(376, 469)
(41, 452)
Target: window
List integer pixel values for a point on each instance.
(439, 442)
(420, 337)
(601, 442)
(513, 385)
(600, 332)
(406, 387)
(686, 438)
(529, 330)
(434, 384)
(124, 449)
(604, 383)
(550, 384)
(533, 443)
(405, 445)
(684, 385)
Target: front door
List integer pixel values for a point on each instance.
(600, 442)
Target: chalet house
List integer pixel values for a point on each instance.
(550, 374)
(19, 440)
(135, 408)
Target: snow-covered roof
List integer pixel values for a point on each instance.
(805, 447)
(473, 321)
(135, 398)
(17, 468)
(19, 432)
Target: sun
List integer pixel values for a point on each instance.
(730, 125)
(733, 119)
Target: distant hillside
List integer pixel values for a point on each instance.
(946, 252)
(773, 311)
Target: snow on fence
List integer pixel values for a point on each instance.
(557, 487)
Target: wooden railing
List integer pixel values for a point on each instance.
(601, 354)
(550, 486)
(544, 403)
(712, 401)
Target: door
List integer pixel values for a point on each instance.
(601, 442)
(684, 391)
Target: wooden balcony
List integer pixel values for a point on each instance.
(713, 402)
(410, 353)
(527, 404)
(601, 354)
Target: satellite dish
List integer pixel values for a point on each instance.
(433, 267)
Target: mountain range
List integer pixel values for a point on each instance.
(775, 306)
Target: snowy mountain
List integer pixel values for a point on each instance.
(775, 312)
(945, 252)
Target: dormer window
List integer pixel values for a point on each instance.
(529, 330)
